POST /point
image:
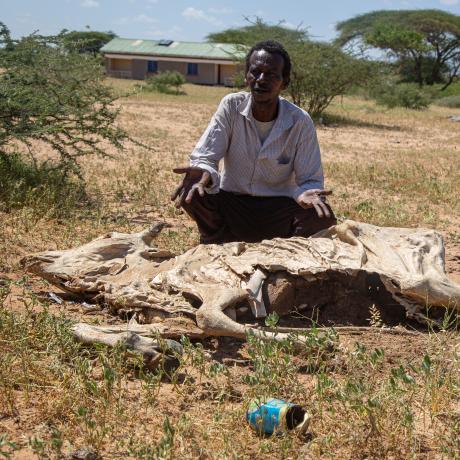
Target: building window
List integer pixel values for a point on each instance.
(192, 69)
(152, 66)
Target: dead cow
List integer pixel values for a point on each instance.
(199, 292)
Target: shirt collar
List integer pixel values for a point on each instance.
(283, 121)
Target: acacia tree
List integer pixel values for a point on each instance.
(320, 71)
(259, 30)
(87, 41)
(427, 39)
(55, 96)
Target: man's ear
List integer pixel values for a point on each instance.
(286, 82)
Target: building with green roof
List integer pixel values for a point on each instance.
(203, 63)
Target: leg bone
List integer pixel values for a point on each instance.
(153, 351)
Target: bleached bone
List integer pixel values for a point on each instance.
(154, 352)
(254, 289)
(125, 272)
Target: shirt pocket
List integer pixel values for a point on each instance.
(283, 159)
(278, 168)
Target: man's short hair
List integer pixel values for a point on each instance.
(273, 47)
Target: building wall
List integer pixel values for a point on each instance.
(137, 69)
(227, 73)
(119, 64)
(177, 66)
(207, 73)
(119, 68)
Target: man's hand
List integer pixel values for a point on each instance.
(315, 198)
(196, 179)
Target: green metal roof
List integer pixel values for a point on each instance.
(178, 49)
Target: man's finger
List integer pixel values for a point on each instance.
(200, 189)
(187, 169)
(176, 192)
(189, 196)
(325, 209)
(181, 170)
(205, 178)
(318, 191)
(318, 210)
(180, 198)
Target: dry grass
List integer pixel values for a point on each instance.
(380, 397)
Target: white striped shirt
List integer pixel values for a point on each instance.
(286, 164)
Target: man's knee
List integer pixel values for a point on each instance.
(205, 211)
(307, 222)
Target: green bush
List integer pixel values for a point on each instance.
(408, 96)
(452, 102)
(51, 97)
(452, 90)
(168, 82)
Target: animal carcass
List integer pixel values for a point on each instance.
(196, 293)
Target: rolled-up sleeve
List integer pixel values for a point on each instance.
(213, 144)
(307, 164)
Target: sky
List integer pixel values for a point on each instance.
(192, 20)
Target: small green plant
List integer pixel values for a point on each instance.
(273, 369)
(164, 447)
(168, 82)
(38, 447)
(148, 450)
(6, 447)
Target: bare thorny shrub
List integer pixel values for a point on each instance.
(360, 401)
(52, 99)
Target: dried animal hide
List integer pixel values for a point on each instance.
(196, 293)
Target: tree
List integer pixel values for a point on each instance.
(54, 96)
(320, 71)
(258, 31)
(85, 41)
(429, 39)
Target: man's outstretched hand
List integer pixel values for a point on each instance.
(196, 179)
(315, 198)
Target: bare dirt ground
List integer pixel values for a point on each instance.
(372, 395)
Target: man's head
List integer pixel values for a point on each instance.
(268, 69)
(273, 47)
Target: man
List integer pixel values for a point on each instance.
(271, 184)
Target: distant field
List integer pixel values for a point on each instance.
(376, 397)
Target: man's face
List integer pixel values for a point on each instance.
(265, 76)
